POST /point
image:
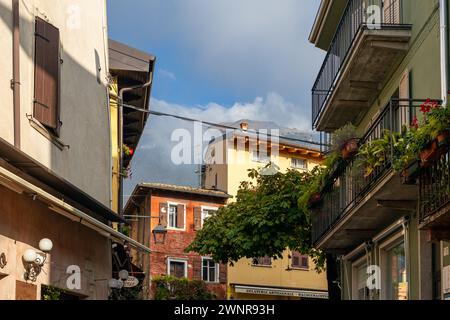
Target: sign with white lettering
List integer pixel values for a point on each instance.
(282, 292)
(131, 282)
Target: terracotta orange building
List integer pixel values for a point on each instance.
(181, 211)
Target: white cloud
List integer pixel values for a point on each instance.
(167, 74)
(152, 161)
(273, 108)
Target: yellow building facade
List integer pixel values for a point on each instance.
(292, 277)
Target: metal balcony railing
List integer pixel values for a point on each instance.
(348, 186)
(354, 19)
(435, 186)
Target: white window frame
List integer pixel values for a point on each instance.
(178, 260)
(205, 208)
(216, 280)
(299, 168)
(256, 157)
(169, 204)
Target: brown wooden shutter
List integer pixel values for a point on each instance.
(197, 266)
(46, 74)
(163, 214)
(223, 273)
(197, 218)
(180, 216)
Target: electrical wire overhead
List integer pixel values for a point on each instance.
(221, 126)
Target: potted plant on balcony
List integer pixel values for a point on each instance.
(405, 160)
(345, 141)
(314, 186)
(438, 121)
(127, 151)
(434, 129)
(373, 154)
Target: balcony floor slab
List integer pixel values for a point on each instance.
(375, 54)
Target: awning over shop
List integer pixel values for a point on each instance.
(60, 206)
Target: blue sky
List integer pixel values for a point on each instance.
(221, 60)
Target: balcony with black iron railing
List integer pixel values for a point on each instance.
(370, 41)
(434, 200)
(355, 206)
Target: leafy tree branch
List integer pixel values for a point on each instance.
(269, 215)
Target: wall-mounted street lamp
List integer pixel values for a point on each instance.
(159, 234)
(34, 261)
(119, 283)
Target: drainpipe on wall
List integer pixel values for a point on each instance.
(15, 82)
(444, 49)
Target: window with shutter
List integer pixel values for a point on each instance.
(46, 75)
(299, 261)
(207, 212)
(176, 219)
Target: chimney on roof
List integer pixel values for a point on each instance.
(244, 126)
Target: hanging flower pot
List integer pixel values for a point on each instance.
(430, 154)
(410, 173)
(350, 149)
(443, 138)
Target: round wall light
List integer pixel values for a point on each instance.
(46, 245)
(30, 256)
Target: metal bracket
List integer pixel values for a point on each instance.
(3, 261)
(14, 83)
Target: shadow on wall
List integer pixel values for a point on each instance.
(86, 164)
(83, 108)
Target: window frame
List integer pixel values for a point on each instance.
(355, 267)
(258, 159)
(393, 241)
(262, 265)
(216, 267)
(301, 257)
(175, 204)
(207, 208)
(296, 167)
(178, 260)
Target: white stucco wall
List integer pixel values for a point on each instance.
(83, 100)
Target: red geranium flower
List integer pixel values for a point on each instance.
(415, 123)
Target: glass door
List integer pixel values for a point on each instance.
(396, 280)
